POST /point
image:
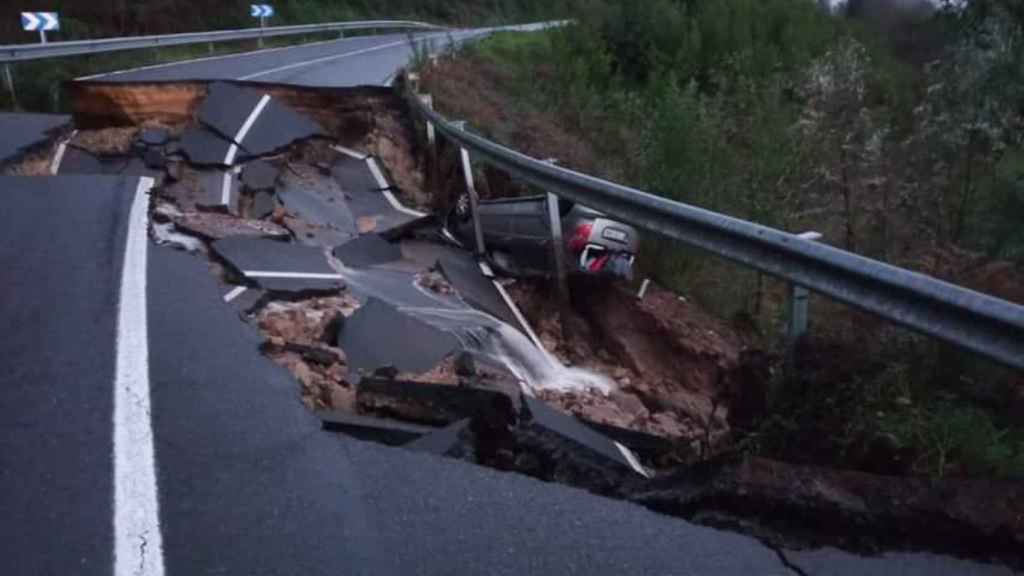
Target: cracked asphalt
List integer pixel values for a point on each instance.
(247, 482)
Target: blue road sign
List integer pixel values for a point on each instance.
(261, 10)
(40, 21)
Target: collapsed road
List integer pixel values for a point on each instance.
(199, 256)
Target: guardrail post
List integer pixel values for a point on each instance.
(557, 245)
(796, 307)
(433, 170)
(10, 84)
(474, 199)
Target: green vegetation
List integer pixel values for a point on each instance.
(892, 128)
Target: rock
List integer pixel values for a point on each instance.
(343, 398)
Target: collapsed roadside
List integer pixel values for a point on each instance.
(681, 382)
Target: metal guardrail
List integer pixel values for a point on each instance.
(974, 321)
(23, 52)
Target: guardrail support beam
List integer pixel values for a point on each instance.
(796, 307)
(474, 199)
(558, 245)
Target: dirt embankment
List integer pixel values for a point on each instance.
(681, 373)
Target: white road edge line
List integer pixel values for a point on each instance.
(207, 58)
(334, 57)
(388, 195)
(350, 152)
(138, 543)
(61, 149)
(238, 291)
(304, 275)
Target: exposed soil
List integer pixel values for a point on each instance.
(475, 89)
(681, 374)
(300, 336)
(815, 506)
(678, 370)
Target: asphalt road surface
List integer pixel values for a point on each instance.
(362, 60)
(143, 432)
(20, 133)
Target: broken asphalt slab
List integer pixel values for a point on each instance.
(367, 250)
(433, 404)
(463, 273)
(244, 299)
(378, 336)
(254, 121)
(78, 161)
(227, 108)
(279, 266)
(240, 459)
(381, 430)
(263, 204)
(562, 436)
(259, 175)
(447, 441)
(204, 147)
(363, 194)
(219, 190)
(20, 133)
(323, 213)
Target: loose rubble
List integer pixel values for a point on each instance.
(306, 243)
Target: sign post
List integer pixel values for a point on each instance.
(41, 22)
(261, 11)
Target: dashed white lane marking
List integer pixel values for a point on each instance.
(138, 544)
(350, 152)
(301, 275)
(61, 149)
(382, 183)
(238, 291)
(334, 57)
(229, 158)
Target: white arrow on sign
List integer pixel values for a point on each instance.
(50, 21)
(261, 10)
(40, 21)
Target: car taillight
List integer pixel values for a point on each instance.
(580, 237)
